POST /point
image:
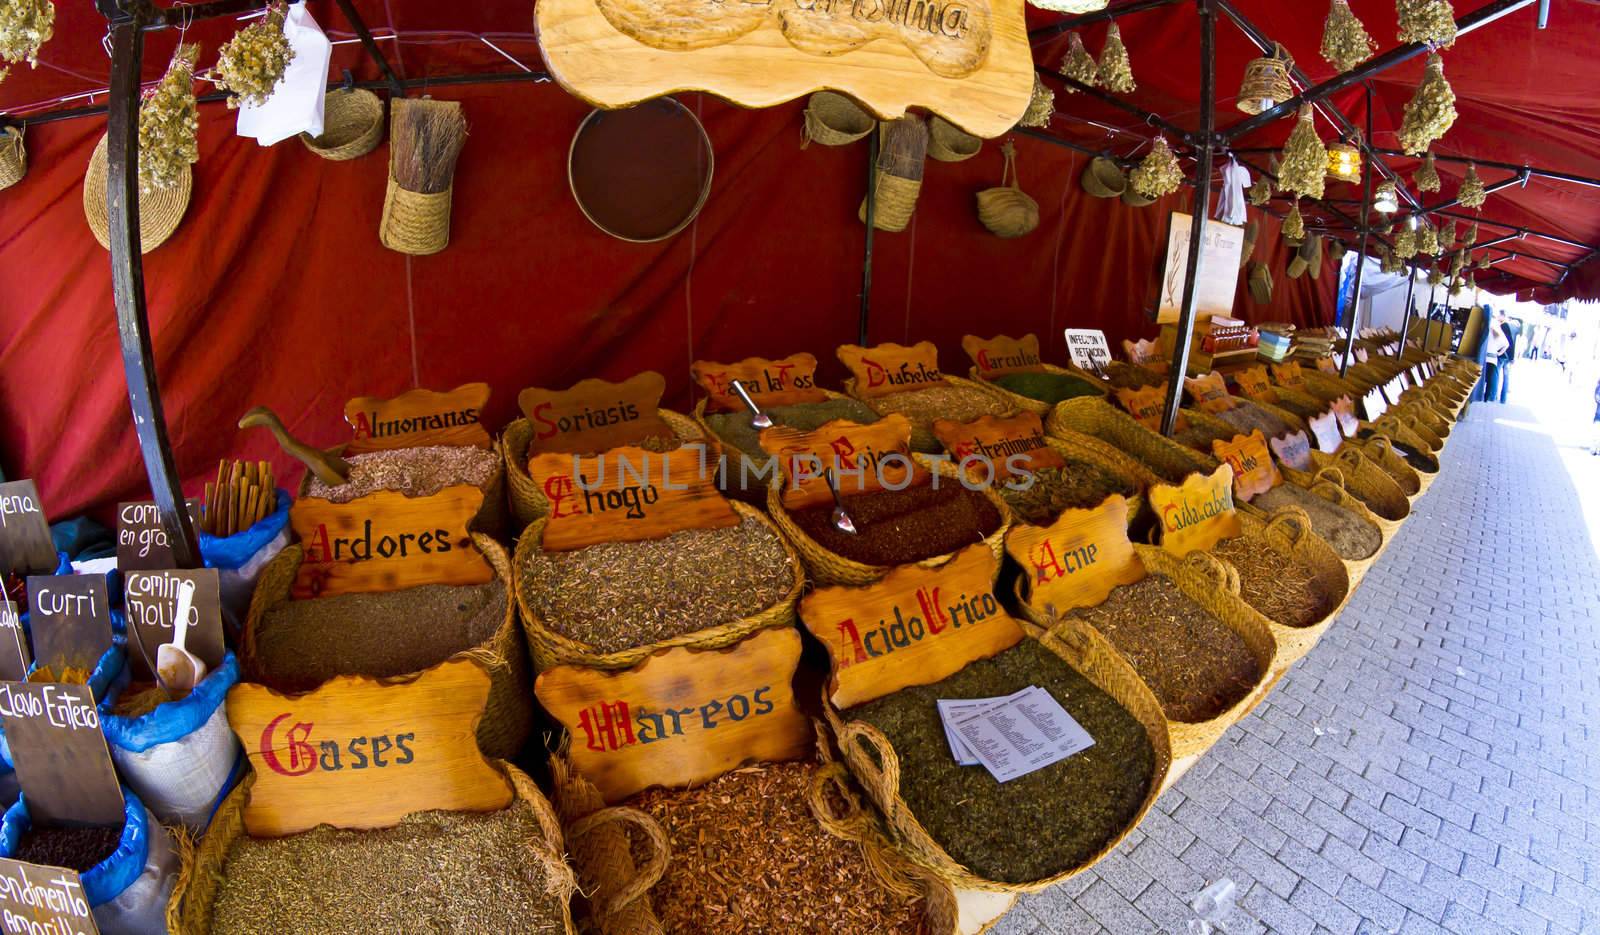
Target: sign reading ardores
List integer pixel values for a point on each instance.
(387, 541)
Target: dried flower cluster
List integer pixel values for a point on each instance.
(1389, 263)
(1041, 107)
(1472, 194)
(1079, 64)
(1405, 243)
(1427, 175)
(252, 63)
(1431, 111)
(1345, 43)
(1116, 72)
(1294, 226)
(25, 25)
(1159, 173)
(168, 122)
(1458, 263)
(1427, 21)
(1484, 262)
(1435, 276)
(1472, 235)
(1305, 159)
(1260, 191)
(1427, 241)
(1447, 234)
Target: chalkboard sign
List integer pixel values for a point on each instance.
(70, 616)
(142, 540)
(36, 898)
(14, 656)
(25, 546)
(151, 598)
(62, 761)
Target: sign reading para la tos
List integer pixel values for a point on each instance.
(789, 381)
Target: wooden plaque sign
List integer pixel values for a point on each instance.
(1254, 471)
(70, 618)
(787, 382)
(1325, 429)
(25, 546)
(595, 415)
(14, 656)
(1374, 405)
(1294, 450)
(142, 539)
(1326, 365)
(1418, 377)
(62, 761)
(1079, 559)
(387, 541)
(37, 898)
(1345, 411)
(863, 458)
(1289, 373)
(364, 753)
(1002, 354)
(1147, 405)
(628, 495)
(1142, 352)
(1255, 384)
(683, 716)
(915, 627)
(1361, 355)
(967, 61)
(1402, 381)
(1210, 392)
(1199, 514)
(892, 368)
(417, 418)
(151, 599)
(1000, 447)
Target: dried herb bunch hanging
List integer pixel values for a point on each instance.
(1388, 262)
(1458, 262)
(1427, 241)
(1405, 243)
(1041, 107)
(1472, 193)
(1116, 71)
(1427, 21)
(1079, 64)
(1447, 234)
(252, 63)
(1260, 191)
(25, 26)
(1435, 276)
(168, 122)
(1294, 226)
(1485, 262)
(1345, 43)
(1159, 173)
(1305, 159)
(1431, 111)
(1472, 235)
(1427, 175)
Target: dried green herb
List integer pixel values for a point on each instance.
(1041, 106)
(948, 401)
(1345, 43)
(252, 63)
(25, 26)
(1427, 175)
(169, 120)
(1076, 485)
(1246, 416)
(1116, 71)
(1351, 536)
(1045, 387)
(416, 472)
(1304, 170)
(1472, 193)
(896, 527)
(1260, 192)
(1282, 589)
(1431, 112)
(1079, 64)
(734, 428)
(1427, 21)
(1159, 174)
(1294, 226)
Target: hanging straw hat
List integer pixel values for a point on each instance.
(1104, 178)
(1260, 283)
(352, 125)
(13, 157)
(835, 120)
(160, 210)
(949, 143)
(1007, 211)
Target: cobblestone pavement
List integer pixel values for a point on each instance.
(1432, 766)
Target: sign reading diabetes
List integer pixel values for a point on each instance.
(1210, 392)
(1001, 447)
(916, 626)
(595, 415)
(387, 541)
(1198, 514)
(892, 368)
(1002, 354)
(627, 495)
(862, 458)
(417, 418)
(1289, 373)
(363, 753)
(1254, 384)
(1147, 405)
(1253, 470)
(682, 716)
(787, 382)
(1079, 559)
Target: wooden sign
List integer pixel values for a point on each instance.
(1373, 405)
(790, 381)
(25, 546)
(70, 619)
(969, 62)
(1078, 560)
(1361, 355)
(62, 761)
(1326, 365)
(1147, 405)
(996, 448)
(862, 459)
(1254, 471)
(364, 753)
(916, 626)
(37, 898)
(595, 415)
(417, 418)
(387, 541)
(14, 655)
(1325, 429)
(1392, 392)
(892, 368)
(1142, 352)
(627, 495)
(1210, 392)
(1294, 450)
(1289, 373)
(1345, 410)
(1001, 354)
(142, 539)
(1198, 514)
(683, 716)
(1088, 349)
(151, 600)
(1402, 381)
(1254, 384)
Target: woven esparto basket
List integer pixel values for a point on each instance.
(528, 502)
(413, 222)
(160, 210)
(1097, 418)
(896, 202)
(194, 897)
(613, 891)
(835, 120)
(491, 517)
(922, 437)
(1129, 470)
(1380, 451)
(1006, 210)
(876, 766)
(829, 568)
(731, 481)
(551, 649)
(949, 143)
(1037, 407)
(1369, 482)
(352, 125)
(1401, 429)
(507, 715)
(1331, 489)
(1103, 178)
(1325, 387)
(1288, 532)
(13, 157)
(1260, 280)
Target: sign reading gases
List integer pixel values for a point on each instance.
(25, 546)
(595, 415)
(1294, 450)
(683, 716)
(996, 448)
(142, 539)
(45, 900)
(1079, 559)
(861, 459)
(364, 753)
(1088, 349)
(1002, 354)
(1198, 514)
(387, 541)
(787, 382)
(417, 418)
(1253, 469)
(914, 627)
(63, 764)
(627, 495)
(70, 617)
(892, 368)
(151, 598)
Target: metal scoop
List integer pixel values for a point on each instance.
(841, 519)
(177, 668)
(758, 419)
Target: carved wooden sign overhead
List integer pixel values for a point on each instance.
(967, 60)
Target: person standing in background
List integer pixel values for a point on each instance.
(1512, 329)
(1492, 357)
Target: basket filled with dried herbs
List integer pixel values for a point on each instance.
(421, 471)
(1098, 419)
(952, 398)
(740, 440)
(1273, 421)
(1037, 390)
(1081, 483)
(1368, 482)
(1123, 375)
(1288, 574)
(1338, 518)
(1382, 452)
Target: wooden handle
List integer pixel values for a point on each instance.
(330, 469)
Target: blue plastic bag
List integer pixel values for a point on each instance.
(240, 557)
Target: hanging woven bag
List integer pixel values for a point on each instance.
(834, 120)
(1007, 211)
(949, 143)
(897, 177)
(13, 157)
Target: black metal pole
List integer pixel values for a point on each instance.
(1361, 254)
(1411, 288)
(396, 87)
(127, 286)
(866, 254)
(1202, 210)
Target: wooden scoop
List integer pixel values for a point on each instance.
(177, 668)
(330, 469)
